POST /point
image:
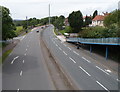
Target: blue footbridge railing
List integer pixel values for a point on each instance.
(99, 41)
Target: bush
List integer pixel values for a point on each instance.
(99, 32)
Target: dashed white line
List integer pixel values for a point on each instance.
(118, 80)
(102, 70)
(18, 90)
(69, 48)
(86, 59)
(21, 73)
(26, 49)
(25, 54)
(60, 48)
(72, 60)
(84, 71)
(14, 59)
(102, 86)
(23, 61)
(64, 52)
(56, 45)
(76, 53)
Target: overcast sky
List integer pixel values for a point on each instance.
(39, 8)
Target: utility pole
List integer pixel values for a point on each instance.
(27, 21)
(49, 14)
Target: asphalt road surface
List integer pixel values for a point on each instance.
(25, 68)
(86, 74)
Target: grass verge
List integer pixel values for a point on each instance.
(4, 56)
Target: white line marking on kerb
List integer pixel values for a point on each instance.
(72, 60)
(23, 61)
(64, 53)
(102, 70)
(14, 59)
(21, 73)
(84, 71)
(102, 86)
(69, 48)
(86, 60)
(76, 53)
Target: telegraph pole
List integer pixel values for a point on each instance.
(49, 14)
(27, 21)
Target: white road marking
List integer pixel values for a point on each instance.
(64, 52)
(60, 48)
(69, 48)
(107, 70)
(23, 61)
(72, 60)
(14, 59)
(21, 73)
(86, 59)
(26, 49)
(102, 70)
(56, 45)
(84, 71)
(25, 54)
(18, 90)
(27, 46)
(76, 53)
(118, 80)
(102, 86)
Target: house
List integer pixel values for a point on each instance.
(66, 22)
(98, 20)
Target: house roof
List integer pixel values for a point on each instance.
(99, 17)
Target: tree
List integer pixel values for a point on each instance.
(8, 26)
(59, 22)
(75, 20)
(95, 14)
(88, 20)
(112, 19)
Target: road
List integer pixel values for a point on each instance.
(25, 67)
(84, 73)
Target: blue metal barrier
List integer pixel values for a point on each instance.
(100, 41)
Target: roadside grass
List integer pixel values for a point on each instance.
(19, 30)
(4, 56)
(56, 32)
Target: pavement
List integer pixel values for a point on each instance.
(84, 73)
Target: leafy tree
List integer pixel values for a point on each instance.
(8, 26)
(113, 19)
(75, 20)
(88, 21)
(59, 22)
(95, 14)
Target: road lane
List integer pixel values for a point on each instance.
(97, 74)
(28, 72)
